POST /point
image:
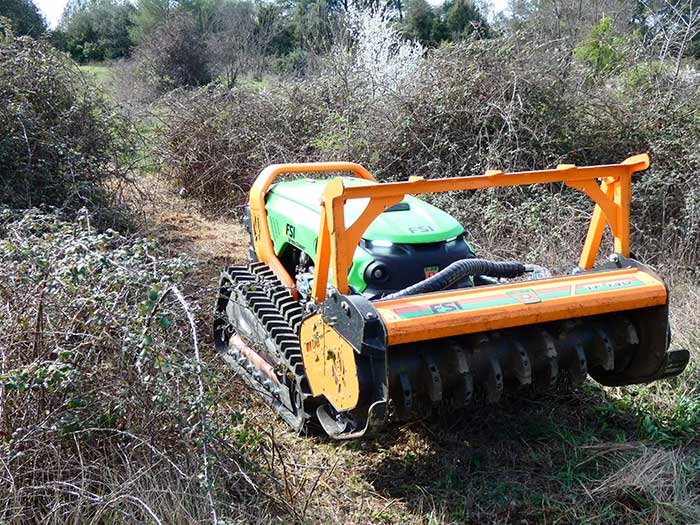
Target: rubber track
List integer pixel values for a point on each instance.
(280, 315)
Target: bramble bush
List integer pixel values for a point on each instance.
(212, 142)
(60, 140)
(107, 411)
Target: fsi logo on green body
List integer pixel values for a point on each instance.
(429, 271)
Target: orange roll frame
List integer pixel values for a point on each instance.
(337, 241)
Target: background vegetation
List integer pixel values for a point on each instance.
(113, 406)
(61, 139)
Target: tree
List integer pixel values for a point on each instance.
(148, 16)
(674, 26)
(282, 41)
(174, 55)
(312, 22)
(24, 17)
(569, 20)
(419, 22)
(96, 29)
(463, 18)
(151, 14)
(603, 49)
(204, 12)
(242, 38)
(440, 31)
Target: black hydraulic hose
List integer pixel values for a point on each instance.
(459, 270)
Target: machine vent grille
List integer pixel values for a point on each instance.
(274, 228)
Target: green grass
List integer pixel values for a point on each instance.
(100, 73)
(251, 83)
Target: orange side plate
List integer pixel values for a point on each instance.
(466, 311)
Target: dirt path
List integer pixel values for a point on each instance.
(182, 228)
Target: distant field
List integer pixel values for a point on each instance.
(100, 73)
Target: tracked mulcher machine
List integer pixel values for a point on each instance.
(363, 305)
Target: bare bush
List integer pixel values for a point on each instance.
(242, 41)
(567, 22)
(213, 142)
(174, 55)
(531, 108)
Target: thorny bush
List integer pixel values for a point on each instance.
(213, 142)
(101, 415)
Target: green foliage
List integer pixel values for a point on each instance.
(60, 140)
(453, 21)
(151, 14)
(95, 30)
(148, 16)
(24, 17)
(420, 21)
(292, 64)
(99, 73)
(463, 19)
(674, 428)
(603, 50)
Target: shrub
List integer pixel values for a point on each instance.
(603, 49)
(213, 141)
(173, 55)
(106, 411)
(60, 141)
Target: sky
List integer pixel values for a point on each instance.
(53, 9)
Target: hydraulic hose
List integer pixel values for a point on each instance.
(458, 271)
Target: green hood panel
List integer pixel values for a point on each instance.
(410, 222)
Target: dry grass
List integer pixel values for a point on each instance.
(183, 227)
(685, 310)
(650, 477)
